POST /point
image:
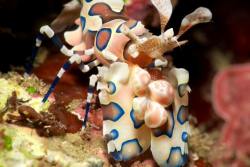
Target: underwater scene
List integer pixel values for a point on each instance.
(124, 83)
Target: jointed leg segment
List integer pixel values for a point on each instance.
(66, 66)
(46, 31)
(92, 82)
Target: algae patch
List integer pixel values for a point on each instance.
(28, 149)
(29, 95)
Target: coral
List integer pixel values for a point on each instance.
(91, 142)
(29, 91)
(203, 147)
(231, 103)
(229, 85)
(21, 104)
(28, 149)
(5, 141)
(45, 123)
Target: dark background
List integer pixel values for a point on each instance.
(212, 46)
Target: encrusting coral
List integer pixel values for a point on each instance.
(200, 142)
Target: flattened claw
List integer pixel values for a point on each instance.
(165, 9)
(200, 15)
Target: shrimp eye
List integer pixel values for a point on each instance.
(112, 87)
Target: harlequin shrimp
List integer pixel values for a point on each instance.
(93, 14)
(139, 110)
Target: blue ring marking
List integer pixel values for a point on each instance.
(182, 111)
(168, 131)
(115, 134)
(182, 161)
(91, 13)
(83, 22)
(107, 30)
(134, 25)
(118, 30)
(92, 32)
(111, 87)
(119, 114)
(137, 124)
(88, 1)
(135, 141)
(184, 137)
(117, 155)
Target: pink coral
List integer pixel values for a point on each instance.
(231, 92)
(231, 101)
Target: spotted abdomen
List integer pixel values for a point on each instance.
(127, 136)
(169, 143)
